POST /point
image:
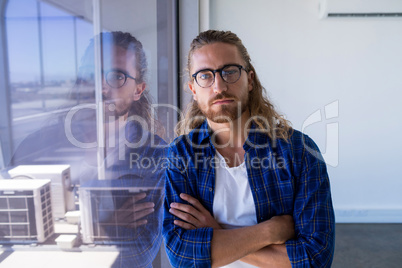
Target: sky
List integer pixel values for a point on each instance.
(62, 44)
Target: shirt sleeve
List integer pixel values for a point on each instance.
(185, 248)
(143, 243)
(313, 212)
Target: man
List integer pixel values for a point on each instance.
(130, 129)
(243, 189)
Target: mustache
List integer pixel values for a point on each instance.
(222, 96)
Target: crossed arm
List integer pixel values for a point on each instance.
(308, 199)
(260, 245)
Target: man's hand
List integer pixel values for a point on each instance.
(130, 214)
(195, 216)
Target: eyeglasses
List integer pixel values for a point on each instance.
(230, 74)
(114, 78)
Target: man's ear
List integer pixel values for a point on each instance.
(191, 87)
(138, 91)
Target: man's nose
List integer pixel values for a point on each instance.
(219, 84)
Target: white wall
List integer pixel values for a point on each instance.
(355, 64)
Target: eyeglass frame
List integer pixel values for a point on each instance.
(126, 75)
(82, 71)
(220, 73)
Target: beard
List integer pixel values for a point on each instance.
(227, 112)
(113, 111)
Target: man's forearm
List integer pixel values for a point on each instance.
(270, 256)
(228, 246)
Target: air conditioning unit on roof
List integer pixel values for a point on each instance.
(360, 8)
(62, 194)
(25, 211)
(98, 201)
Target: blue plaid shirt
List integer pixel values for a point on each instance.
(288, 178)
(141, 165)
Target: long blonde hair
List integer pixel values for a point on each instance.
(262, 112)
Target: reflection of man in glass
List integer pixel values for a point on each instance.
(125, 216)
(125, 207)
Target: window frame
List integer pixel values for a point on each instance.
(6, 145)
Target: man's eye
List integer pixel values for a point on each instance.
(230, 72)
(116, 76)
(204, 76)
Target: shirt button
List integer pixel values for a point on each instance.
(210, 189)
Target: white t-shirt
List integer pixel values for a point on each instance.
(233, 201)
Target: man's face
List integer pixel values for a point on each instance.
(117, 101)
(221, 102)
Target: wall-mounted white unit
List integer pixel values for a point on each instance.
(62, 194)
(360, 8)
(25, 211)
(98, 201)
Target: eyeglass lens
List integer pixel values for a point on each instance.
(230, 74)
(115, 78)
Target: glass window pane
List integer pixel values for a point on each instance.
(62, 111)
